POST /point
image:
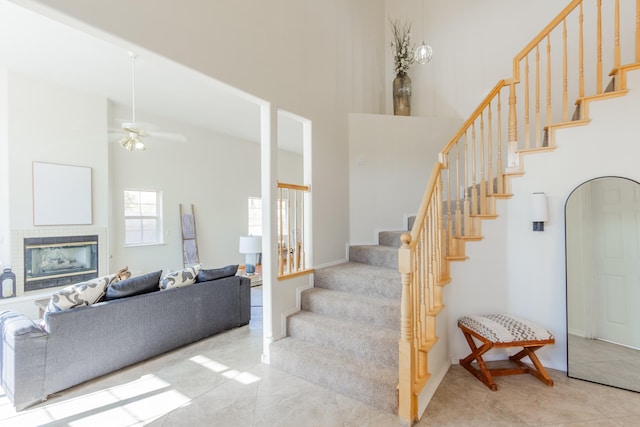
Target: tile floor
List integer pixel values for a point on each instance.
(604, 362)
(221, 382)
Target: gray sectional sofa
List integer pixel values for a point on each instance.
(76, 345)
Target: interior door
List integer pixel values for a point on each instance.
(616, 220)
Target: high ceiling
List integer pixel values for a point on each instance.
(40, 47)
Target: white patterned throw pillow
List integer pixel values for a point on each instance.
(79, 294)
(176, 279)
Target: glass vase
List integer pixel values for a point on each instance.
(402, 95)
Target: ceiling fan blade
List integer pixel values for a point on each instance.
(170, 136)
(134, 128)
(141, 129)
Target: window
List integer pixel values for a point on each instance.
(142, 217)
(255, 216)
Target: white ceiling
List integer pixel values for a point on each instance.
(40, 47)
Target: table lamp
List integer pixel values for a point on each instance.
(251, 246)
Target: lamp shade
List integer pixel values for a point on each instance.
(250, 244)
(539, 210)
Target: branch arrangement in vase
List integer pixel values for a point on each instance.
(401, 46)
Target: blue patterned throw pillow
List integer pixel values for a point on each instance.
(79, 294)
(176, 279)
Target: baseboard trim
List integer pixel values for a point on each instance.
(430, 389)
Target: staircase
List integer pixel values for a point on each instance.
(343, 338)
(346, 335)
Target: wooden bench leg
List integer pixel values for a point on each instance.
(483, 373)
(539, 372)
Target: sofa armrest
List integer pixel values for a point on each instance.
(245, 300)
(22, 359)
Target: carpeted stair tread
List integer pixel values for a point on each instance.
(358, 378)
(358, 278)
(384, 312)
(371, 342)
(391, 238)
(382, 256)
(346, 335)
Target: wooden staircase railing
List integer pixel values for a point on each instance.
(519, 116)
(292, 242)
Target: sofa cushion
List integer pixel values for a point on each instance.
(217, 273)
(79, 294)
(176, 279)
(133, 286)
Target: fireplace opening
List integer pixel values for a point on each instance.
(59, 261)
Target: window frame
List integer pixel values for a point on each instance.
(252, 227)
(157, 217)
(254, 205)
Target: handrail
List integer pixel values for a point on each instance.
(564, 61)
(426, 198)
(541, 36)
(294, 186)
(476, 113)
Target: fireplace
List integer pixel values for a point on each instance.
(59, 261)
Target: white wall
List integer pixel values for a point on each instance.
(473, 43)
(290, 167)
(533, 282)
(50, 123)
(390, 160)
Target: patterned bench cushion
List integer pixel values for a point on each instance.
(504, 328)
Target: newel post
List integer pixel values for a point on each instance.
(407, 401)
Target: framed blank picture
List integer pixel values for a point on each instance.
(61, 194)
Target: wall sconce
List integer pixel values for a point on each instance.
(251, 246)
(539, 211)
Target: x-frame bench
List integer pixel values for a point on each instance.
(504, 331)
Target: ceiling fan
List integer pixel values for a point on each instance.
(133, 130)
(133, 139)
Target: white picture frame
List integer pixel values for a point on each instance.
(61, 194)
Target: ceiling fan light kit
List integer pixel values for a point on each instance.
(133, 140)
(132, 130)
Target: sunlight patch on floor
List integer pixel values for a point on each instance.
(225, 371)
(134, 403)
(209, 364)
(247, 378)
